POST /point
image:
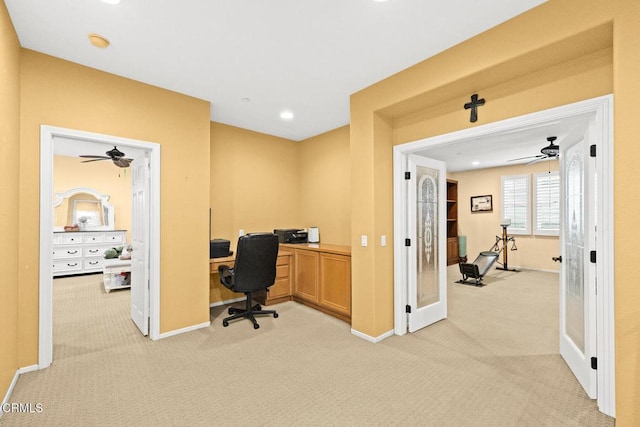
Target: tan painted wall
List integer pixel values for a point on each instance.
(60, 93)
(325, 190)
(9, 190)
(104, 177)
(481, 228)
(557, 53)
(255, 186)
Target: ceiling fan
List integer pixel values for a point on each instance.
(115, 155)
(550, 152)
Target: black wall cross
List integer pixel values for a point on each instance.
(474, 104)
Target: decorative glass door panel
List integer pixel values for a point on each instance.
(577, 273)
(574, 246)
(427, 235)
(427, 228)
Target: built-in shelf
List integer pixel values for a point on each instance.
(452, 222)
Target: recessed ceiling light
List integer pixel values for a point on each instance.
(111, 1)
(98, 41)
(475, 163)
(286, 115)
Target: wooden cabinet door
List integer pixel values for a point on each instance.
(306, 275)
(335, 282)
(452, 250)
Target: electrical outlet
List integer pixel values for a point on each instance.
(241, 233)
(363, 240)
(383, 240)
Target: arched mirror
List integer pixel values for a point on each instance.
(83, 206)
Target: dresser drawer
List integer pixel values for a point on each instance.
(93, 238)
(114, 238)
(94, 264)
(95, 251)
(71, 239)
(68, 252)
(66, 265)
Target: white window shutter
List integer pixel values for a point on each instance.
(516, 203)
(547, 203)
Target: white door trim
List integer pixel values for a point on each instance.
(601, 110)
(45, 321)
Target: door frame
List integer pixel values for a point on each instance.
(45, 310)
(600, 111)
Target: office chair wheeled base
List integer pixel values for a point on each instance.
(248, 312)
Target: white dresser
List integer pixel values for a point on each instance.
(78, 252)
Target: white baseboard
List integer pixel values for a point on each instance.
(183, 330)
(370, 338)
(229, 301)
(14, 381)
(517, 267)
(28, 369)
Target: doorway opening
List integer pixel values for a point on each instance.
(598, 118)
(147, 150)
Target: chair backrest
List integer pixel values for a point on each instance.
(255, 266)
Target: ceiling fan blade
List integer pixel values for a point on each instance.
(539, 156)
(88, 156)
(95, 160)
(541, 159)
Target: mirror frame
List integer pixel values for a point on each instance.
(107, 208)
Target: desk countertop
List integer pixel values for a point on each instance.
(319, 247)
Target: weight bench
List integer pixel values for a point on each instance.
(478, 268)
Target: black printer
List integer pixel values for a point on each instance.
(291, 235)
(219, 248)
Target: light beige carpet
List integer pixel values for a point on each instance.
(493, 362)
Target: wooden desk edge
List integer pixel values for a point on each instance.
(214, 263)
(320, 247)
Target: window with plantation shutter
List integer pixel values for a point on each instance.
(546, 203)
(516, 203)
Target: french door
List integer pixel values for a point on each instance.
(427, 257)
(577, 270)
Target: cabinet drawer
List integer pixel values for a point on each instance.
(71, 239)
(93, 238)
(69, 252)
(94, 264)
(114, 238)
(93, 251)
(67, 265)
(280, 288)
(282, 271)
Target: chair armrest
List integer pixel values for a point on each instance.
(226, 275)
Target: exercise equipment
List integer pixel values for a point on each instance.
(478, 268)
(501, 246)
(473, 273)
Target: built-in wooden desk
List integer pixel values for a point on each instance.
(317, 275)
(280, 291)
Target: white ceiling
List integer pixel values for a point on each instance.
(306, 56)
(501, 148)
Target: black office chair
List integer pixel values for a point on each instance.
(254, 270)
